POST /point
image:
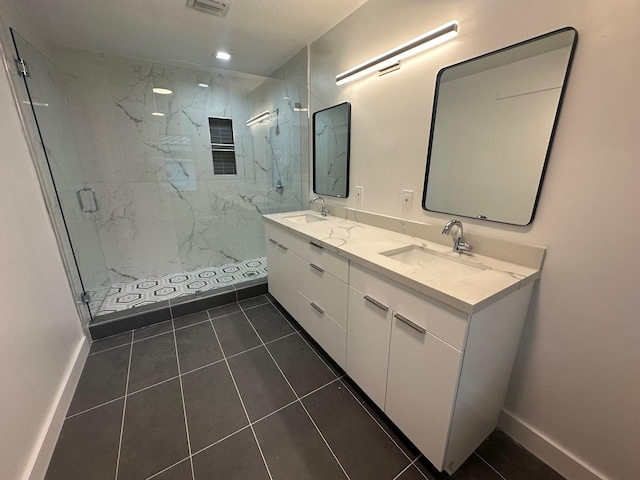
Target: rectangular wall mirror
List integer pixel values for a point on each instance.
(331, 141)
(492, 126)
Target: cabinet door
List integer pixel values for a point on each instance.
(273, 268)
(421, 387)
(281, 261)
(368, 334)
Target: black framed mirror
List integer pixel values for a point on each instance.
(492, 127)
(331, 146)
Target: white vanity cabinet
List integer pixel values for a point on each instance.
(311, 284)
(322, 298)
(440, 373)
(281, 259)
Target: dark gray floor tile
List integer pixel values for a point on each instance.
(293, 448)
(154, 435)
(181, 471)
(363, 448)
(110, 342)
(300, 364)
(473, 469)
(236, 458)
(254, 302)
(152, 361)
(512, 460)
(411, 473)
(394, 432)
(268, 322)
(104, 378)
(224, 310)
(88, 445)
(235, 333)
(262, 387)
(153, 330)
(197, 346)
(213, 406)
(189, 320)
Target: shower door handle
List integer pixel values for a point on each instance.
(95, 200)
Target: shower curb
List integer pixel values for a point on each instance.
(125, 321)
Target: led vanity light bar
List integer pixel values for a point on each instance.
(393, 57)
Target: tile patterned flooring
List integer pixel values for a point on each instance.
(239, 392)
(137, 293)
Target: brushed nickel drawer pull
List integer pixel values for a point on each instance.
(273, 241)
(317, 308)
(316, 245)
(316, 267)
(376, 303)
(406, 321)
(283, 247)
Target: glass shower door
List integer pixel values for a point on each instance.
(72, 203)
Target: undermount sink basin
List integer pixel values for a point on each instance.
(436, 264)
(305, 218)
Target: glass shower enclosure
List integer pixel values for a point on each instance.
(155, 183)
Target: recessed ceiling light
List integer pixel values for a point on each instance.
(162, 91)
(158, 114)
(223, 56)
(203, 85)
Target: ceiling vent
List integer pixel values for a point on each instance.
(213, 7)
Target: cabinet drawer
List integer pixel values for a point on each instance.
(329, 261)
(324, 330)
(435, 317)
(281, 236)
(322, 288)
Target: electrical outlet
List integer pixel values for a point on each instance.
(359, 193)
(407, 199)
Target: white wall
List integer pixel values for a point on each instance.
(40, 333)
(576, 378)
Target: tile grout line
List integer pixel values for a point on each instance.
(124, 408)
(490, 466)
(93, 408)
(411, 464)
(297, 397)
(240, 397)
(166, 469)
(184, 407)
(265, 417)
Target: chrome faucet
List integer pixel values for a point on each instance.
(323, 210)
(459, 246)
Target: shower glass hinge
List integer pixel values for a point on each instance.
(22, 67)
(85, 297)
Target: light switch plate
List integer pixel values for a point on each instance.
(359, 193)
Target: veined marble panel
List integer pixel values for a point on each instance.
(162, 208)
(135, 224)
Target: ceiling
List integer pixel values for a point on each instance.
(261, 35)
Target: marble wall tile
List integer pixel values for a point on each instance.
(162, 208)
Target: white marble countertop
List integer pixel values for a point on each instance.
(362, 244)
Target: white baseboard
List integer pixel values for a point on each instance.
(43, 450)
(554, 455)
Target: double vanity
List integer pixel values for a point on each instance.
(430, 335)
